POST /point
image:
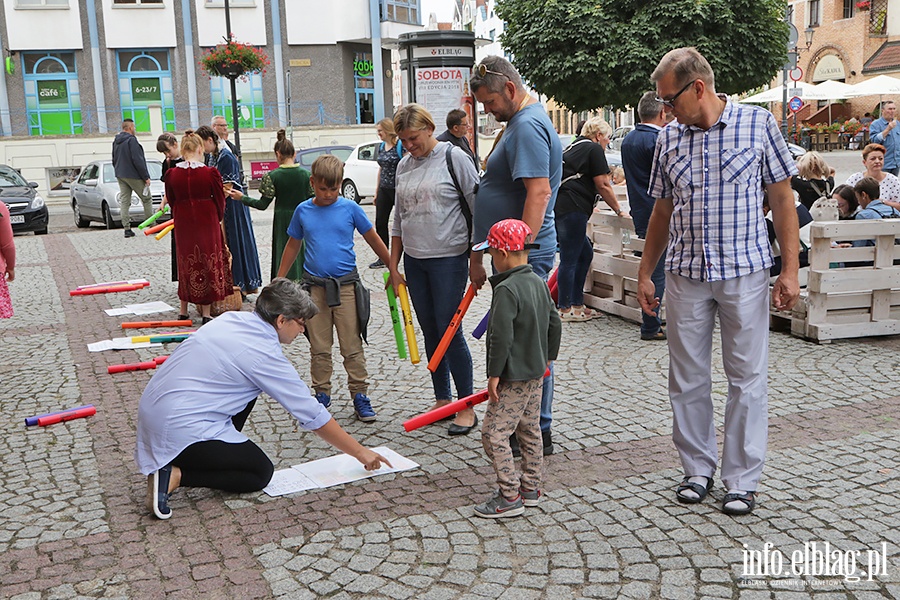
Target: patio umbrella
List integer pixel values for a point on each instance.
(776, 94)
(877, 86)
(830, 90)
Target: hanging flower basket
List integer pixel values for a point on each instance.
(863, 5)
(234, 59)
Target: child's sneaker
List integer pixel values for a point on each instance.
(530, 497)
(324, 399)
(363, 407)
(498, 507)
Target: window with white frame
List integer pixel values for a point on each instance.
(814, 13)
(133, 2)
(221, 3)
(42, 3)
(401, 11)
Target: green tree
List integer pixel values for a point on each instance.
(587, 54)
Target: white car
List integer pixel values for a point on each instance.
(361, 172)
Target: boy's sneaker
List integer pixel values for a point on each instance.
(363, 407)
(498, 507)
(324, 399)
(530, 497)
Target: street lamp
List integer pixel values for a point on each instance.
(809, 32)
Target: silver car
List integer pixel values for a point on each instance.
(94, 195)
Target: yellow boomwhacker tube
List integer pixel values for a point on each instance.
(164, 232)
(407, 320)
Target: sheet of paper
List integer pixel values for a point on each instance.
(343, 468)
(119, 344)
(118, 312)
(289, 481)
(149, 308)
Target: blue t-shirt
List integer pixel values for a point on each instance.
(529, 148)
(328, 232)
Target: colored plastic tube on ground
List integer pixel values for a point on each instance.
(106, 289)
(554, 287)
(154, 217)
(151, 324)
(68, 415)
(445, 411)
(31, 421)
(160, 359)
(158, 228)
(172, 337)
(164, 232)
(450, 409)
(140, 282)
(395, 318)
(408, 321)
(141, 366)
(479, 330)
(451, 329)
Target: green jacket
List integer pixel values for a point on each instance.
(524, 329)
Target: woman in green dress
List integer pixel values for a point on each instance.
(288, 186)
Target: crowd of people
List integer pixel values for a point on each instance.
(531, 199)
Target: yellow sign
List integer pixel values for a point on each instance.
(300, 62)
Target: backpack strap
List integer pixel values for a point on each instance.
(463, 205)
(399, 147)
(567, 148)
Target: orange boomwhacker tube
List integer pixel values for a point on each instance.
(158, 228)
(451, 329)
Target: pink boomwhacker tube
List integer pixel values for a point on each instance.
(78, 413)
(106, 290)
(141, 366)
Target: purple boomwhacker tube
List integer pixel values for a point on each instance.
(31, 421)
(479, 330)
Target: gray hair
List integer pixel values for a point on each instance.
(649, 107)
(596, 125)
(284, 297)
(213, 120)
(499, 71)
(687, 64)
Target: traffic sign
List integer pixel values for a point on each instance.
(795, 104)
(796, 74)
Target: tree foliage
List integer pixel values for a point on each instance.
(591, 53)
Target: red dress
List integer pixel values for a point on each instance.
(197, 198)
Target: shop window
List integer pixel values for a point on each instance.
(52, 101)
(249, 95)
(364, 87)
(145, 80)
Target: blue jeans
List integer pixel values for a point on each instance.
(575, 255)
(436, 287)
(542, 264)
(652, 325)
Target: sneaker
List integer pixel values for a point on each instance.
(129, 233)
(363, 407)
(376, 265)
(324, 399)
(498, 507)
(158, 491)
(530, 497)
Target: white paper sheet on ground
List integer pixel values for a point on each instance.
(288, 481)
(147, 308)
(120, 344)
(335, 470)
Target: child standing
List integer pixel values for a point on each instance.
(327, 222)
(523, 336)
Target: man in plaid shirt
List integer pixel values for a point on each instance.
(709, 171)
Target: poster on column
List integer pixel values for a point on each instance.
(442, 89)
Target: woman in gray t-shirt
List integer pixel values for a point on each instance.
(432, 231)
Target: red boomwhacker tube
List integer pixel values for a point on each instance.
(106, 290)
(149, 324)
(554, 287)
(68, 415)
(449, 409)
(158, 228)
(451, 329)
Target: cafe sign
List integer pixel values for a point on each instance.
(829, 67)
(53, 91)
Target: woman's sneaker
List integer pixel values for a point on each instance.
(158, 492)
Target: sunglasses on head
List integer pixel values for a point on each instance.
(481, 70)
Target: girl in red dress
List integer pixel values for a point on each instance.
(197, 197)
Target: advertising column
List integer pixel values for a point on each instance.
(436, 68)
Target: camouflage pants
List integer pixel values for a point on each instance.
(517, 410)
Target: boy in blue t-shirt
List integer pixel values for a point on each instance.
(327, 223)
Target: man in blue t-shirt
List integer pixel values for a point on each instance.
(327, 224)
(520, 181)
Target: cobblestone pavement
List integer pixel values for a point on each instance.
(73, 525)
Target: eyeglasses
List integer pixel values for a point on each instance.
(480, 70)
(671, 101)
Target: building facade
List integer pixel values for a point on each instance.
(80, 66)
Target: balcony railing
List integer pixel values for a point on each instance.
(877, 14)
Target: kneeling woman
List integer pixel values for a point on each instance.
(192, 412)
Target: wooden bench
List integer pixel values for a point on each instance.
(843, 302)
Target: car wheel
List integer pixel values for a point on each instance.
(107, 218)
(41, 231)
(80, 221)
(348, 191)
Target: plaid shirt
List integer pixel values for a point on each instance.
(715, 179)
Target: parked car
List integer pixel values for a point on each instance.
(796, 151)
(27, 211)
(615, 140)
(361, 172)
(305, 156)
(94, 194)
